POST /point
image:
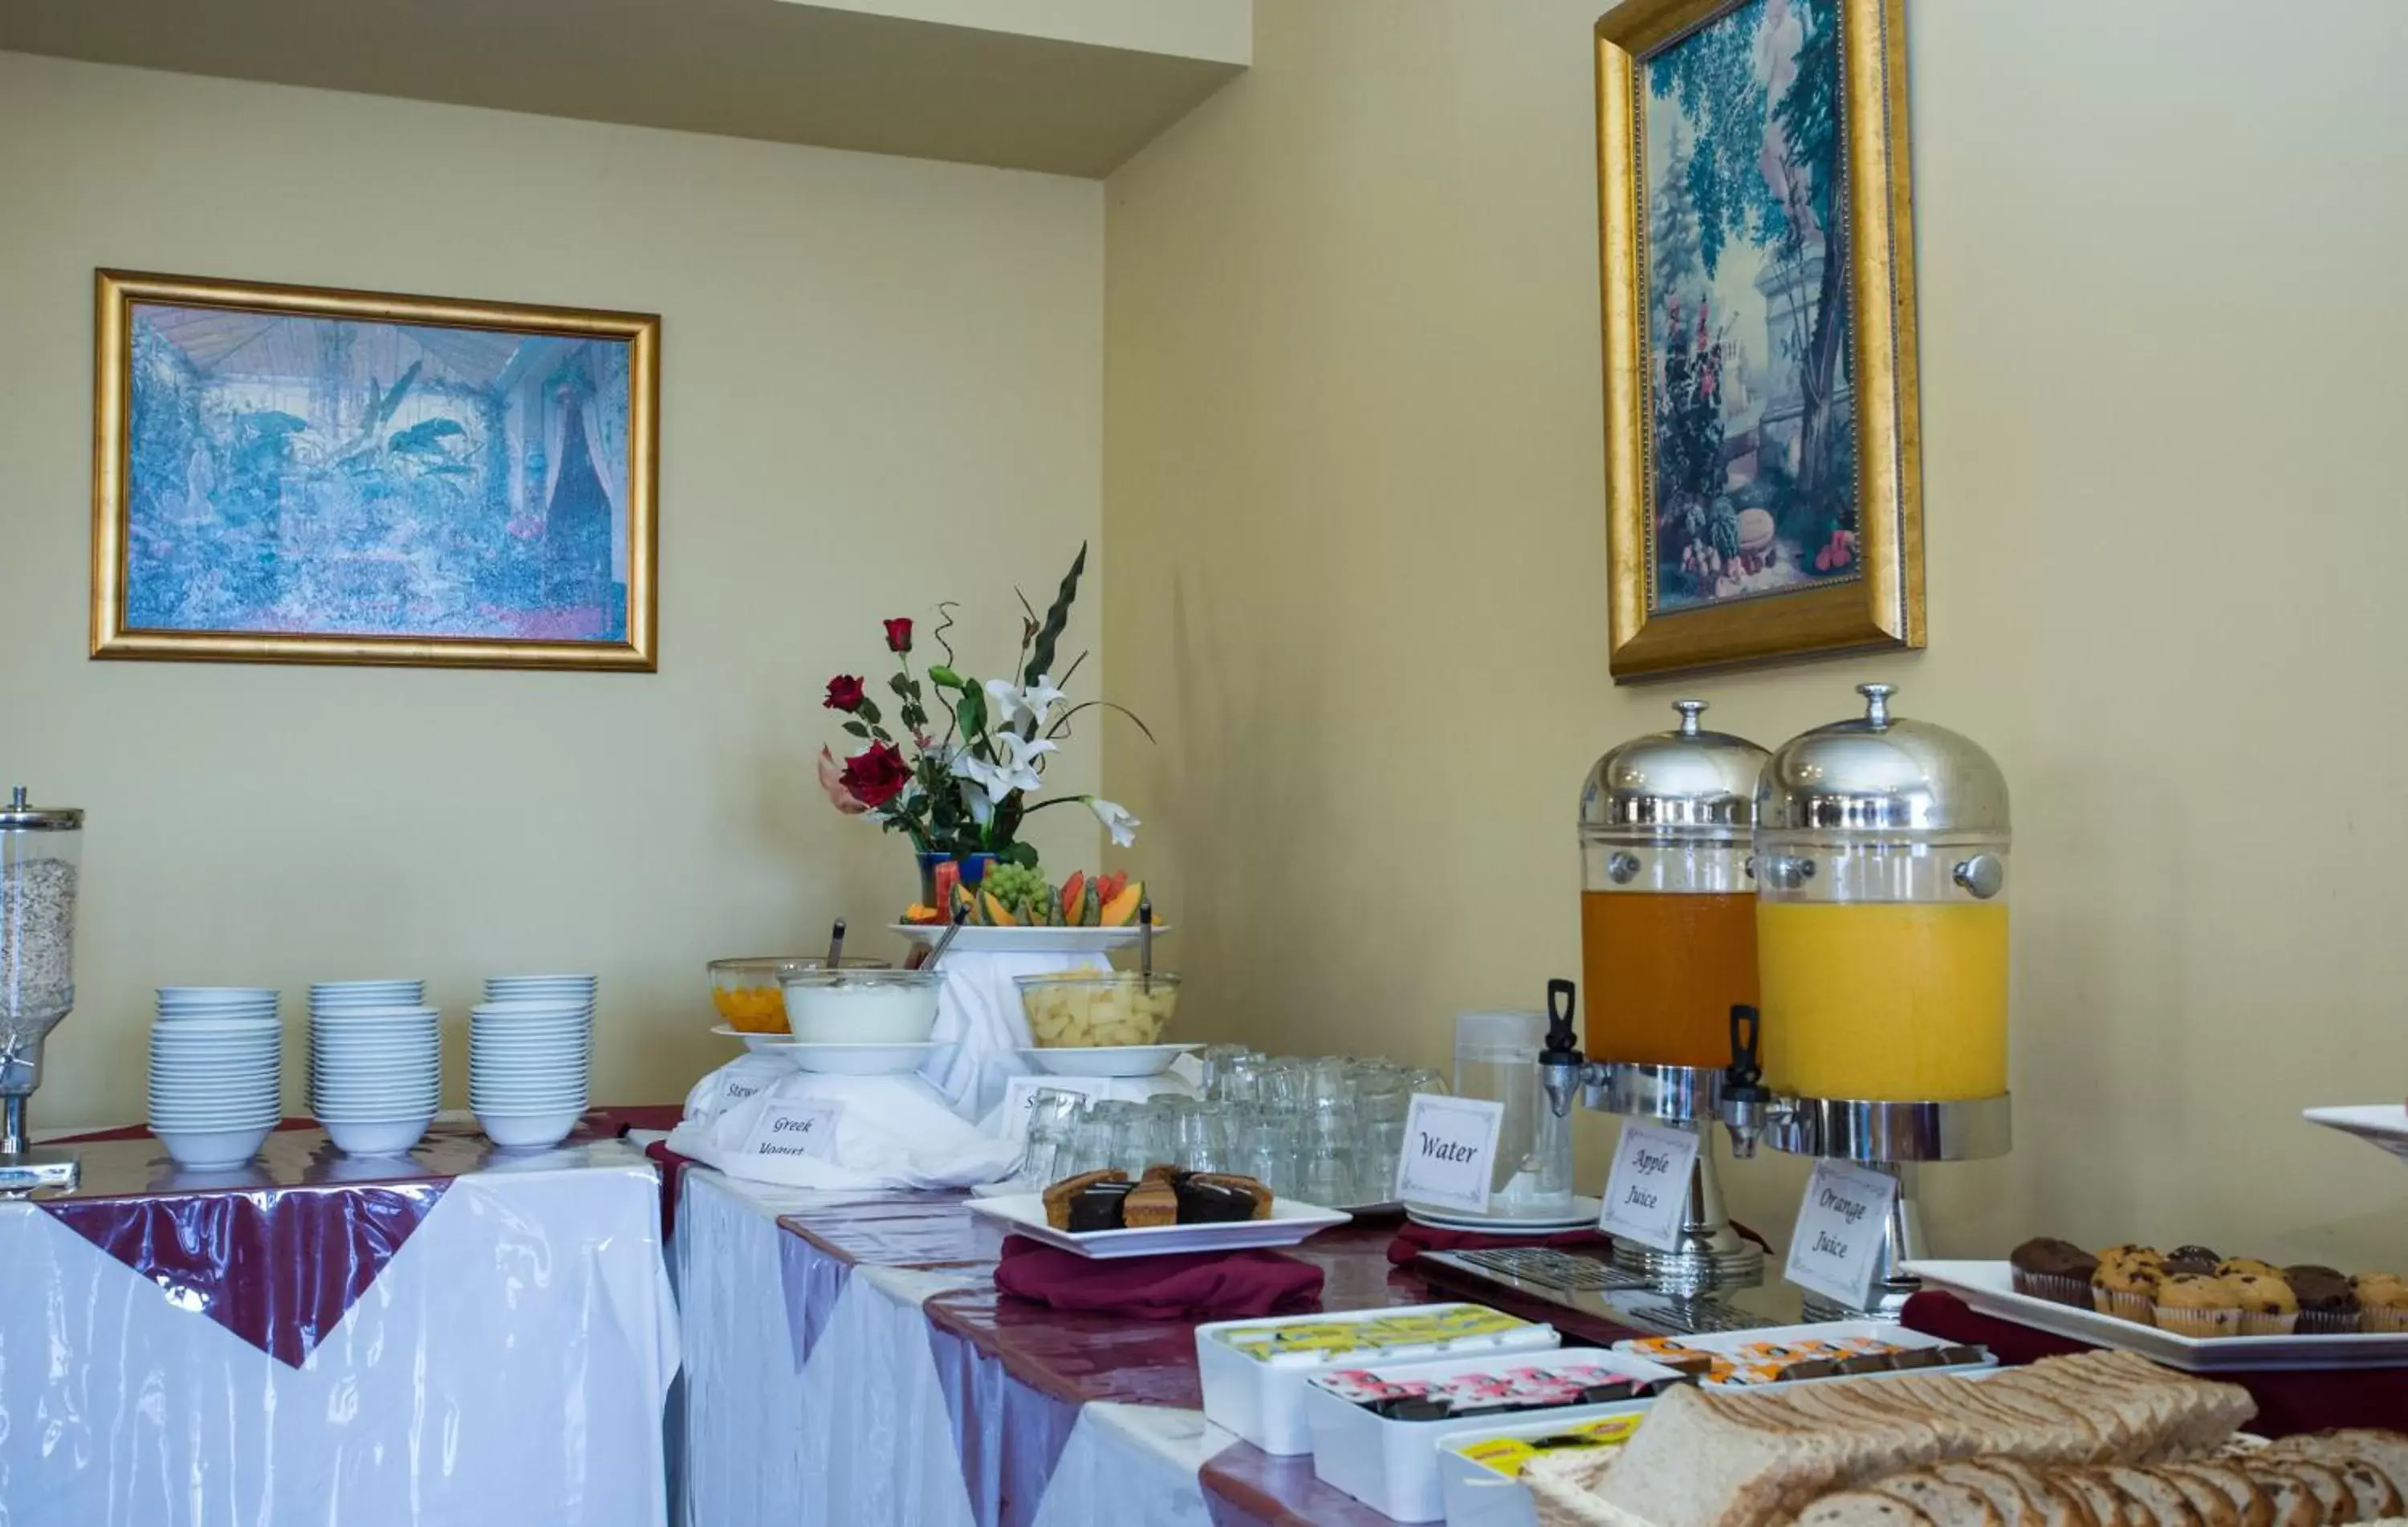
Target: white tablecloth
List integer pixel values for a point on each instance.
(858, 1431)
(509, 1365)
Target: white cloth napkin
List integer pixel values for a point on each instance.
(981, 1028)
(864, 1132)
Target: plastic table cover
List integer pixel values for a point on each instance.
(849, 1360)
(459, 1335)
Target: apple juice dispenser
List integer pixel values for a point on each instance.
(1667, 947)
(1880, 860)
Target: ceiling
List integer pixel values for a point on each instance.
(847, 74)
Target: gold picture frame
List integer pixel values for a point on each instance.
(1867, 593)
(296, 474)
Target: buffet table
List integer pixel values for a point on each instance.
(460, 1334)
(847, 1358)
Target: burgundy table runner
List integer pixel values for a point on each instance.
(2288, 1402)
(1193, 1287)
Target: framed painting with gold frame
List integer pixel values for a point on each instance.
(298, 474)
(1756, 242)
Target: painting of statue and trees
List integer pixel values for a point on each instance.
(1734, 164)
(344, 477)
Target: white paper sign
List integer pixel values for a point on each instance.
(796, 1127)
(1450, 1146)
(1020, 1096)
(1649, 1184)
(1837, 1246)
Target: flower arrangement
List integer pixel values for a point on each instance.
(965, 793)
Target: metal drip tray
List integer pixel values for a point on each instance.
(1599, 1290)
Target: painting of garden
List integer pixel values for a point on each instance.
(1746, 257)
(305, 475)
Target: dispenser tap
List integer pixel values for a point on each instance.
(1746, 1104)
(1561, 1068)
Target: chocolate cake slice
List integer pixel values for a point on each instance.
(1074, 1199)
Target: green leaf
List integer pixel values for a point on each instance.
(1058, 616)
(900, 684)
(945, 678)
(971, 711)
(869, 711)
(1022, 853)
(856, 728)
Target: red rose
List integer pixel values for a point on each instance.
(844, 693)
(877, 775)
(898, 636)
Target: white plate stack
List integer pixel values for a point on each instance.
(376, 1064)
(529, 1048)
(217, 1073)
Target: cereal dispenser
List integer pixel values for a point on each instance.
(1880, 860)
(1667, 948)
(38, 851)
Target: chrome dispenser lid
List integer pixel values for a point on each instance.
(1687, 777)
(1880, 773)
(16, 817)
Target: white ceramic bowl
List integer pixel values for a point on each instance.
(215, 994)
(194, 1014)
(526, 1101)
(522, 1131)
(162, 1123)
(207, 1149)
(336, 989)
(383, 1137)
(367, 1013)
(374, 1105)
(862, 1007)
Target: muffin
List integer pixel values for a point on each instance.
(2057, 1271)
(2268, 1305)
(2382, 1301)
(2132, 1251)
(2193, 1259)
(2327, 1304)
(2126, 1288)
(2196, 1304)
(2233, 1267)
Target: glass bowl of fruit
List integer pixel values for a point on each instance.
(751, 995)
(1083, 1009)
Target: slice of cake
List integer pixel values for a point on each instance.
(1089, 1201)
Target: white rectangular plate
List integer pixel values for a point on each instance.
(1024, 1213)
(1989, 1288)
(2382, 1124)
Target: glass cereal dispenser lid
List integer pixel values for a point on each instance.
(1686, 783)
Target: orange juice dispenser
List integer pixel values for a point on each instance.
(1667, 947)
(1881, 862)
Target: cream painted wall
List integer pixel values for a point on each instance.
(881, 388)
(1356, 532)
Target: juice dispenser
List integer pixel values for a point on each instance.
(1881, 859)
(1667, 947)
(38, 854)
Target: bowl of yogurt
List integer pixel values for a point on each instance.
(861, 1006)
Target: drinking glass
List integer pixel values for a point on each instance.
(1052, 1116)
(1096, 1140)
(1241, 1078)
(1267, 1140)
(1205, 1142)
(1214, 1063)
(1152, 1136)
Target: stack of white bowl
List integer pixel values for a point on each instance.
(376, 1064)
(217, 1073)
(529, 1046)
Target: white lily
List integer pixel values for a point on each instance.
(1116, 819)
(1016, 770)
(1011, 705)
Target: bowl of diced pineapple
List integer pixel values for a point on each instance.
(750, 993)
(1083, 1009)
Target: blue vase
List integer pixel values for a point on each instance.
(974, 869)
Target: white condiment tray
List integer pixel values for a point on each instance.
(1989, 1288)
(1261, 1399)
(1024, 1213)
(1477, 1496)
(1392, 1466)
(1832, 1333)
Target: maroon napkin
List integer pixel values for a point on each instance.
(1202, 1286)
(2288, 1402)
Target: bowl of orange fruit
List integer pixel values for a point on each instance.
(750, 992)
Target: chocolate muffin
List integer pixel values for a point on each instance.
(2198, 1260)
(2057, 1271)
(2327, 1304)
